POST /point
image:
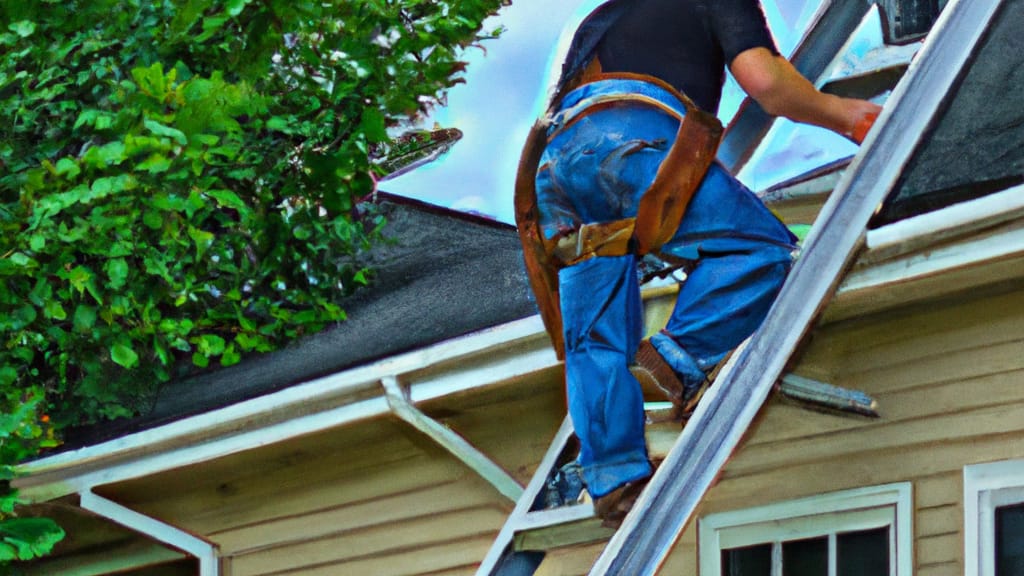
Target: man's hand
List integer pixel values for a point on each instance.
(868, 115)
(781, 90)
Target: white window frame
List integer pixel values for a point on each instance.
(986, 487)
(824, 515)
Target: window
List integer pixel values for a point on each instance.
(863, 532)
(994, 519)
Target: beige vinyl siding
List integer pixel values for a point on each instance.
(949, 380)
(376, 497)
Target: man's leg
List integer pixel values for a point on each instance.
(743, 254)
(602, 316)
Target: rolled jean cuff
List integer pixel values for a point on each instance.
(688, 368)
(604, 478)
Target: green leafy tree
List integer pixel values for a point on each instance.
(178, 177)
(23, 431)
(177, 188)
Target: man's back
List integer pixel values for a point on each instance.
(686, 43)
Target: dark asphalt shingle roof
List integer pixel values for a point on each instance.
(977, 145)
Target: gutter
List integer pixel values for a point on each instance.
(471, 362)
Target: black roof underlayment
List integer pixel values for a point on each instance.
(976, 146)
(444, 274)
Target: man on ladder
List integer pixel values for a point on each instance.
(622, 165)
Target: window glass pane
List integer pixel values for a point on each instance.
(805, 557)
(747, 561)
(1010, 540)
(864, 553)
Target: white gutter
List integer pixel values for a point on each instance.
(953, 221)
(471, 362)
(205, 552)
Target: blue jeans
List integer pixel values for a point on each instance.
(595, 170)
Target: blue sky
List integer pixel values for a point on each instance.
(504, 92)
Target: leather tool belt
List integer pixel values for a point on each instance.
(661, 207)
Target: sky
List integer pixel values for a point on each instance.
(506, 89)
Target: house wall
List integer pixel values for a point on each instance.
(375, 497)
(949, 380)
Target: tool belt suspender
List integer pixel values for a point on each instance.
(658, 216)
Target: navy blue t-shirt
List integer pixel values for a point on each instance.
(687, 43)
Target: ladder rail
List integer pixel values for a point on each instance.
(667, 506)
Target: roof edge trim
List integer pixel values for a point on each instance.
(498, 354)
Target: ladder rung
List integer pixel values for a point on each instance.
(558, 527)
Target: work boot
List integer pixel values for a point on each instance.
(651, 370)
(613, 506)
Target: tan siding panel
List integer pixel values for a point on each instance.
(786, 420)
(946, 367)
(422, 534)
(392, 509)
(939, 490)
(940, 549)
(683, 559)
(262, 499)
(922, 332)
(866, 469)
(422, 562)
(936, 521)
(878, 437)
(944, 569)
(574, 561)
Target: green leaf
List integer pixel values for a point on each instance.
(79, 277)
(24, 28)
(202, 239)
(8, 376)
(166, 131)
(68, 168)
(280, 124)
(155, 164)
(54, 310)
(210, 344)
(372, 124)
(29, 537)
(124, 356)
(117, 271)
(230, 357)
(229, 199)
(85, 318)
(235, 7)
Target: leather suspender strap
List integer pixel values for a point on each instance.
(677, 180)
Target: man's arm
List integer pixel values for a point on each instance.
(782, 91)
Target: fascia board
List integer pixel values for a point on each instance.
(471, 362)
